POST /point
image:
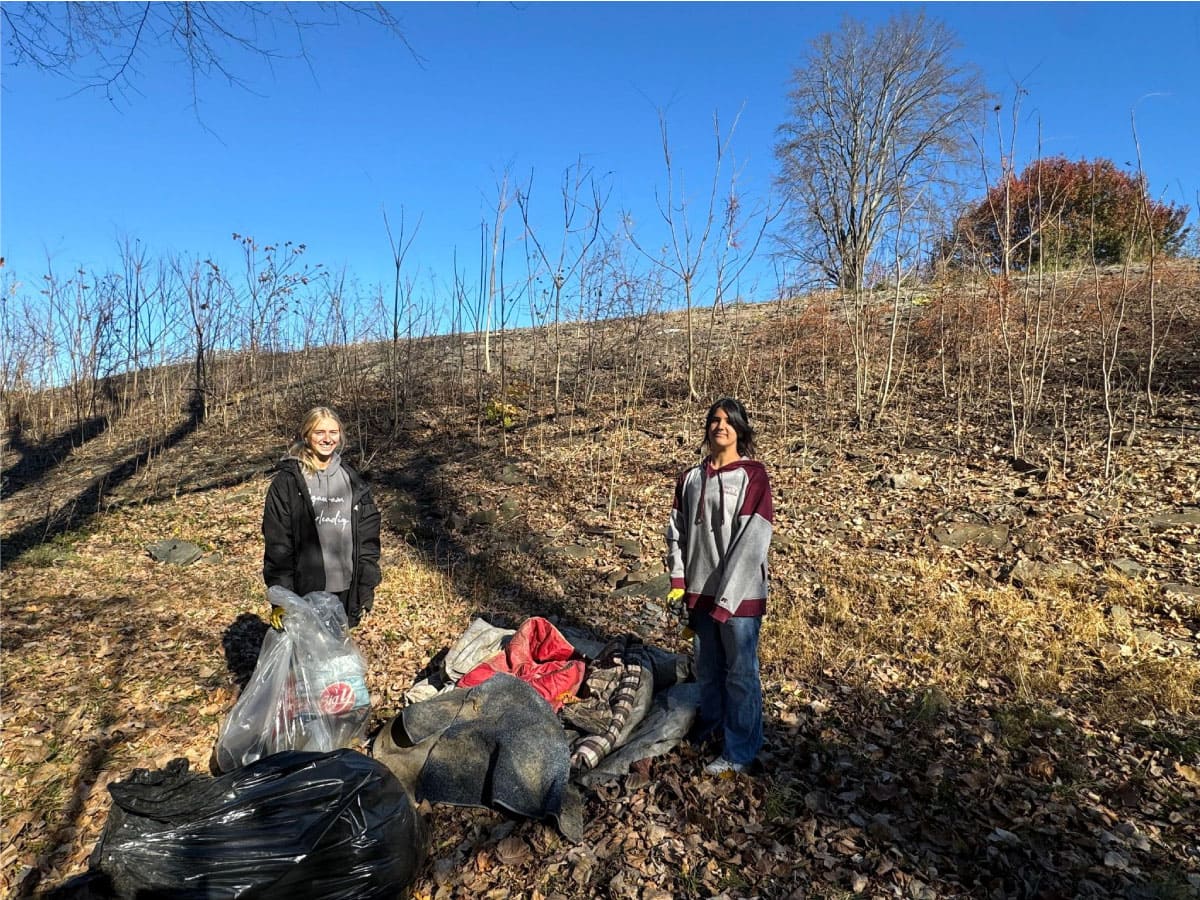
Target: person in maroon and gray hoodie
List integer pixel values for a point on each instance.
(717, 543)
(320, 525)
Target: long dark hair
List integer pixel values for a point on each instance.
(739, 420)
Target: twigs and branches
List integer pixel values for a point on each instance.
(399, 244)
(580, 227)
(504, 196)
(104, 46)
(687, 239)
(738, 238)
(204, 293)
(875, 116)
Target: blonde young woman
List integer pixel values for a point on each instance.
(320, 526)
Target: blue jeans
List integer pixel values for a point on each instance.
(726, 657)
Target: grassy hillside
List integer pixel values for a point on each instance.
(981, 666)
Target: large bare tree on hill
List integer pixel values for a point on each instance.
(878, 121)
(875, 119)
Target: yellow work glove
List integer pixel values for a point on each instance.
(276, 617)
(675, 597)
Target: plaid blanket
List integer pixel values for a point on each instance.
(622, 682)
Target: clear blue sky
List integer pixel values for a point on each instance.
(313, 153)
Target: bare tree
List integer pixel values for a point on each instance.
(141, 315)
(904, 260)
(271, 274)
(1112, 307)
(102, 46)
(81, 326)
(688, 238)
(462, 315)
(874, 117)
(581, 234)
(878, 119)
(205, 298)
(17, 357)
(739, 235)
(1028, 313)
(399, 247)
(503, 199)
(1158, 329)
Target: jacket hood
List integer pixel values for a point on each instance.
(335, 466)
(294, 464)
(744, 463)
(707, 471)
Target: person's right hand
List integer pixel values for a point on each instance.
(277, 617)
(675, 599)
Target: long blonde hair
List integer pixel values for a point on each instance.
(300, 449)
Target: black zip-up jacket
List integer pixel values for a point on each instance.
(292, 549)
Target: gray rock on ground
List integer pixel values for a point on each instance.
(175, 552)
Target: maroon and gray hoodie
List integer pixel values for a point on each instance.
(718, 537)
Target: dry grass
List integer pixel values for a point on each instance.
(918, 622)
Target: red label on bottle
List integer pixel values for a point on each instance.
(337, 698)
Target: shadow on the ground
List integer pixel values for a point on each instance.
(120, 670)
(77, 511)
(997, 800)
(35, 460)
(503, 557)
(242, 641)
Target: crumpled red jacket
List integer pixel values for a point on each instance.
(540, 655)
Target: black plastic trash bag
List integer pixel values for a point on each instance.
(292, 825)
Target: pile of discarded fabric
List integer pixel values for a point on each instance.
(519, 719)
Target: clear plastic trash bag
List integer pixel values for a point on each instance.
(308, 690)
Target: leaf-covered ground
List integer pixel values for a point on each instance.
(981, 677)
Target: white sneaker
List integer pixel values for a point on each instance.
(721, 765)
